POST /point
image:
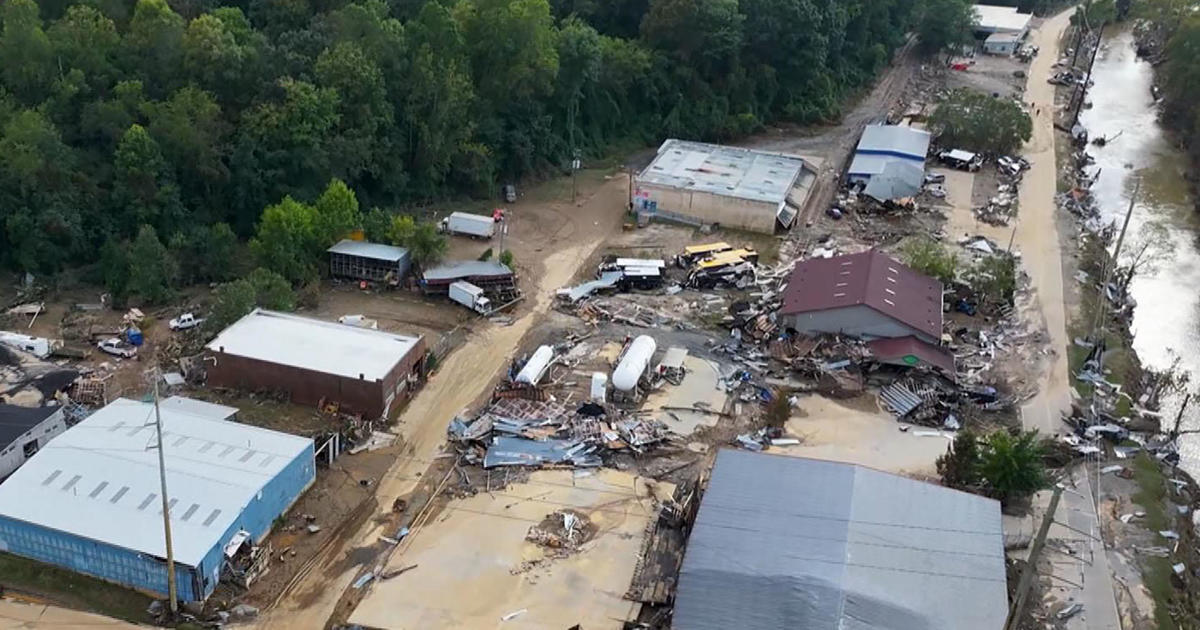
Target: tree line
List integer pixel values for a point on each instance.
(122, 119)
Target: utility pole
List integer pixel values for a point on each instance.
(1102, 308)
(1086, 81)
(166, 511)
(1035, 551)
(1179, 416)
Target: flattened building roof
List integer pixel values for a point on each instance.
(364, 249)
(788, 542)
(871, 278)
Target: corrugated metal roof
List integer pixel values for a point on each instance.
(455, 269)
(786, 542)
(899, 179)
(895, 140)
(99, 479)
(871, 278)
(364, 249)
(722, 170)
(314, 344)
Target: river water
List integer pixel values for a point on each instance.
(1166, 322)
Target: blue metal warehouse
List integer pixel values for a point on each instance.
(89, 500)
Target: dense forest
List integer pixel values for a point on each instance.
(1180, 74)
(183, 114)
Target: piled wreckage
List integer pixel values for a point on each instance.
(518, 432)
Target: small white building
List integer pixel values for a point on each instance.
(707, 184)
(990, 20)
(24, 431)
(1003, 44)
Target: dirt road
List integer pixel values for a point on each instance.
(1037, 233)
(466, 376)
(15, 614)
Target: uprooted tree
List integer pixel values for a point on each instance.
(980, 122)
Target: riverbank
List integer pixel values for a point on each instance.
(1145, 502)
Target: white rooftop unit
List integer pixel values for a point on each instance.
(535, 368)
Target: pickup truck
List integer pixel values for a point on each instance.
(117, 348)
(185, 321)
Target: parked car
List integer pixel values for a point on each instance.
(117, 348)
(510, 193)
(935, 178)
(185, 321)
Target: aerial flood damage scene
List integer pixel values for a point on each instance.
(545, 314)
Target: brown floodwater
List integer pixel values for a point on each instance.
(1166, 323)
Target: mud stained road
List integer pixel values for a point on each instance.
(1037, 235)
(462, 380)
(16, 614)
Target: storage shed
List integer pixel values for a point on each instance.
(24, 431)
(363, 370)
(368, 261)
(697, 183)
(789, 542)
(89, 501)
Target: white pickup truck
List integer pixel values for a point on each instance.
(185, 321)
(117, 348)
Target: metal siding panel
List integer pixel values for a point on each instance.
(105, 562)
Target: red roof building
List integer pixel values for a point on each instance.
(868, 295)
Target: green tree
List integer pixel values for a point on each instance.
(231, 301)
(704, 34)
(995, 277)
(220, 52)
(336, 213)
(152, 44)
(87, 40)
(375, 225)
(506, 258)
(26, 56)
(205, 253)
(144, 190)
(978, 122)
(927, 256)
(151, 268)
(1181, 82)
(193, 136)
(959, 467)
(286, 240)
(271, 290)
(427, 245)
(364, 114)
(946, 25)
(401, 230)
(114, 267)
(1012, 466)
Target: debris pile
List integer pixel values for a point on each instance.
(563, 531)
(518, 432)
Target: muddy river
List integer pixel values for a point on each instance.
(1166, 321)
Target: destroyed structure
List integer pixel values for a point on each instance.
(706, 184)
(89, 500)
(364, 371)
(497, 281)
(788, 542)
(373, 262)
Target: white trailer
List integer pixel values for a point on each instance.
(470, 296)
(469, 224)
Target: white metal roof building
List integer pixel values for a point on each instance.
(896, 150)
(993, 19)
(730, 186)
(90, 500)
(312, 359)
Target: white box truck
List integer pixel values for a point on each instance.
(469, 224)
(470, 296)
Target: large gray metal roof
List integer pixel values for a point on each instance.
(365, 249)
(787, 542)
(895, 140)
(722, 170)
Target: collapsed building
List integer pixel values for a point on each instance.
(889, 161)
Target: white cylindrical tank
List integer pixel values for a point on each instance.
(637, 358)
(536, 366)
